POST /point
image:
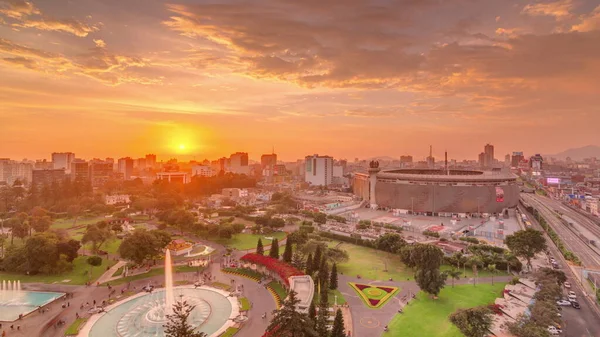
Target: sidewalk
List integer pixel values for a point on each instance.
(107, 276)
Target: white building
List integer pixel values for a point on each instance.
(318, 170)
(63, 160)
(592, 206)
(202, 171)
(117, 199)
(11, 171)
(238, 163)
(180, 177)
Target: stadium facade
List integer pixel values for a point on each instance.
(437, 192)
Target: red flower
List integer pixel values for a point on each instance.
(281, 268)
(361, 287)
(373, 302)
(386, 289)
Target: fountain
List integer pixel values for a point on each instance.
(145, 314)
(15, 302)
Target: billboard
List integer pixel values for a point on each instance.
(499, 194)
(555, 181)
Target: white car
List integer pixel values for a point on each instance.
(554, 331)
(572, 293)
(563, 303)
(567, 285)
(572, 298)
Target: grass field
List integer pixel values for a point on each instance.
(111, 246)
(73, 329)
(79, 274)
(248, 241)
(244, 304)
(331, 294)
(65, 223)
(152, 272)
(279, 290)
(428, 317)
(230, 332)
(370, 263)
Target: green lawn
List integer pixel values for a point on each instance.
(230, 332)
(73, 329)
(469, 272)
(152, 272)
(111, 246)
(79, 274)
(248, 241)
(65, 223)
(427, 317)
(279, 290)
(370, 263)
(244, 304)
(331, 297)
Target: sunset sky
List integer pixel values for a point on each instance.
(348, 78)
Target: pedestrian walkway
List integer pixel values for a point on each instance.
(108, 275)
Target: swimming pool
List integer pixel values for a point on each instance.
(16, 302)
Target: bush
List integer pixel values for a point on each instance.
(431, 234)
(469, 239)
(514, 281)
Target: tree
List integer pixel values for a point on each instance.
(312, 313)
(475, 261)
(142, 245)
(492, 269)
(289, 322)
(557, 275)
(40, 223)
(323, 273)
(309, 263)
(94, 261)
(390, 242)
(274, 252)
(96, 236)
(69, 249)
(260, 250)
(177, 322)
(338, 325)
(41, 253)
(454, 274)
(322, 315)
(526, 244)
(287, 253)
(298, 261)
(473, 322)
(316, 261)
(333, 278)
(428, 259)
(73, 212)
(20, 230)
(320, 218)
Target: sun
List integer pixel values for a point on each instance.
(182, 146)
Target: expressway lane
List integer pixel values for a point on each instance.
(572, 241)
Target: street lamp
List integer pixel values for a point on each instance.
(412, 201)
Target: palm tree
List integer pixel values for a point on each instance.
(454, 274)
(475, 262)
(492, 269)
(509, 258)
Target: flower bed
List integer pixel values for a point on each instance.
(374, 296)
(282, 269)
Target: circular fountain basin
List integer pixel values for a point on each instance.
(145, 314)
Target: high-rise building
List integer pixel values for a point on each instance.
(238, 163)
(125, 166)
(150, 160)
(319, 170)
(507, 160)
(47, 177)
(267, 163)
(481, 159)
(43, 165)
(536, 163)
(202, 171)
(140, 164)
(80, 170)
(516, 159)
(430, 159)
(100, 172)
(62, 160)
(12, 171)
(488, 161)
(406, 159)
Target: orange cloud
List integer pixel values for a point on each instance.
(560, 9)
(17, 8)
(589, 21)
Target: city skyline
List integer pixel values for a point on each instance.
(183, 79)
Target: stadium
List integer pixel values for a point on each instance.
(437, 192)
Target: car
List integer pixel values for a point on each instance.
(567, 285)
(564, 303)
(575, 305)
(572, 293)
(553, 330)
(572, 298)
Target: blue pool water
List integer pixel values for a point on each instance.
(141, 316)
(13, 303)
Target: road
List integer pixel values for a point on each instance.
(582, 322)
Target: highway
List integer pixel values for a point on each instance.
(586, 321)
(572, 239)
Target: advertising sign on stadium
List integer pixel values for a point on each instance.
(555, 181)
(499, 194)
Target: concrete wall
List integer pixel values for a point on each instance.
(435, 198)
